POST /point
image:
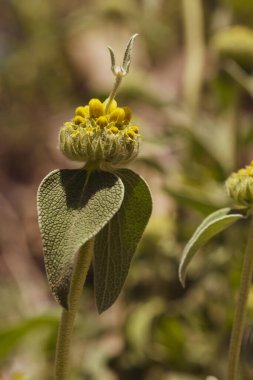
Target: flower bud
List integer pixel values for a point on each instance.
(135, 129)
(96, 108)
(130, 134)
(102, 121)
(80, 111)
(114, 130)
(128, 114)
(240, 185)
(113, 105)
(117, 116)
(78, 120)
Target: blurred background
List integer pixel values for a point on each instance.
(190, 88)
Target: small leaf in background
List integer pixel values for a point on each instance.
(171, 335)
(212, 225)
(11, 336)
(117, 241)
(73, 206)
(139, 327)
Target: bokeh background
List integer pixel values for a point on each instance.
(190, 88)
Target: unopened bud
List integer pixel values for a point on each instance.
(80, 111)
(113, 105)
(135, 129)
(128, 114)
(78, 120)
(102, 121)
(117, 116)
(96, 108)
(240, 185)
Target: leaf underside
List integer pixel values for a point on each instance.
(212, 225)
(73, 206)
(116, 243)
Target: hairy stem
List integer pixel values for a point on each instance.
(240, 312)
(68, 316)
(113, 92)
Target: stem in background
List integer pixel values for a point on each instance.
(234, 125)
(68, 316)
(195, 53)
(240, 312)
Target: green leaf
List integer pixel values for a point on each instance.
(11, 336)
(117, 241)
(212, 225)
(73, 206)
(140, 324)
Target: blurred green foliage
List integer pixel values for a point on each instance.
(53, 58)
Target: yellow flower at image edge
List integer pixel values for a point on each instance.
(240, 185)
(100, 134)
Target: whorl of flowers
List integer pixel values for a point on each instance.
(240, 185)
(101, 134)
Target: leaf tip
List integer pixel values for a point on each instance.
(181, 279)
(61, 298)
(101, 308)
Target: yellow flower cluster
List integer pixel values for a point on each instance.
(100, 133)
(240, 185)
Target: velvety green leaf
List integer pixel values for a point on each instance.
(212, 225)
(73, 206)
(117, 241)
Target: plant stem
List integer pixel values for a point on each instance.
(235, 114)
(113, 92)
(240, 312)
(195, 53)
(67, 320)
